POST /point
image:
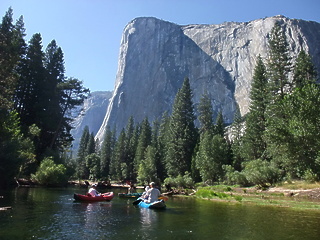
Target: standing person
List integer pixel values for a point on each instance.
(93, 191)
(152, 194)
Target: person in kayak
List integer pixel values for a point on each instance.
(93, 191)
(152, 194)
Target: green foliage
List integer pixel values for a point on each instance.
(16, 151)
(147, 169)
(279, 64)
(262, 173)
(182, 133)
(50, 173)
(93, 165)
(213, 153)
(107, 149)
(294, 142)
(180, 181)
(205, 116)
(253, 143)
(209, 193)
(143, 142)
(233, 176)
(304, 70)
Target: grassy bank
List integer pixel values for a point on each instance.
(296, 195)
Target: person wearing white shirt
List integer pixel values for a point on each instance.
(93, 191)
(152, 194)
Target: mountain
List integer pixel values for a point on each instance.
(92, 114)
(155, 57)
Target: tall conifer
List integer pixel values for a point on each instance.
(253, 142)
(182, 133)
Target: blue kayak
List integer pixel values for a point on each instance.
(155, 205)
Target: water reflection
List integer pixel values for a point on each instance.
(52, 214)
(148, 217)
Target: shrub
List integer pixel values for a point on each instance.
(180, 181)
(262, 173)
(50, 173)
(233, 176)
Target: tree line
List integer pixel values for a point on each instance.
(36, 99)
(277, 140)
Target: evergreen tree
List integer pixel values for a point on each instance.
(107, 149)
(12, 50)
(91, 146)
(219, 126)
(254, 144)
(205, 111)
(279, 64)
(304, 71)
(117, 165)
(131, 145)
(182, 133)
(162, 142)
(93, 165)
(33, 101)
(236, 139)
(143, 142)
(147, 171)
(212, 155)
(72, 94)
(82, 153)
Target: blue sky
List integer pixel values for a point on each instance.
(89, 31)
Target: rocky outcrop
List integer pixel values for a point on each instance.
(92, 114)
(155, 57)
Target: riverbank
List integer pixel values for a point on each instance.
(294, 195)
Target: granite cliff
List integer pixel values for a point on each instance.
(92, 114)
(155, 57)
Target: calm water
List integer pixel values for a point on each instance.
(39, 213)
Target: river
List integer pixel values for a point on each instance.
(51, 213)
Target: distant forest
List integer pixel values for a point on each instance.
(278, 140)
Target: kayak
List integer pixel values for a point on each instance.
(88, 198)
(155, 205)
(130, 195)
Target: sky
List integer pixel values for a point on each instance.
(89, 31)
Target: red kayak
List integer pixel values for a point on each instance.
(88, 198)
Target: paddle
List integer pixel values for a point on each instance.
(164, 198)
(136, 202)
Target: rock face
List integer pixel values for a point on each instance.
(155, 57)
(93, 111)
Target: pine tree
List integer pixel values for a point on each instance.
(212, 155)
(236, 140)
(12, 49)
(131, 145)
(205, 111)
(117, 165)
(82, 153)
(162, 142)
(219, 127)
(107, 149)
(254, 144)
(143, 142)
(279, 64)
(304, 71)
(293, 138)
(147, 171)
(182, 133)
(72, 95)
